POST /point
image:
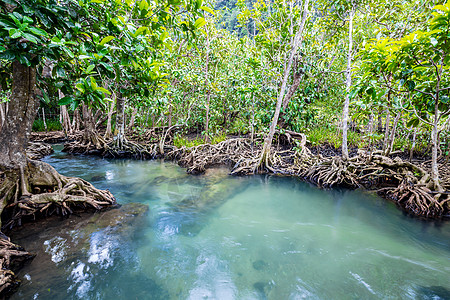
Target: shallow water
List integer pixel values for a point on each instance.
(220, 237)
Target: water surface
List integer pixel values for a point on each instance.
(220, 237)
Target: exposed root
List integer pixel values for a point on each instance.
(89, 143)
(333, 171)
(129, 149)
(46, 193)
(37, 150)
(236, 153)
(12, 257)
(49, 137)
(418, 200)
(368, 170)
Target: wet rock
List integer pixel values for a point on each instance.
(433, 292)
(262, 289)
(259, 265)
(191, 212)
(98, 178)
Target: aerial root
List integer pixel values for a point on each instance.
(130, 149)
(236, 153)
(418, 199)
(11, 256)
(91, 143)
(49, 193)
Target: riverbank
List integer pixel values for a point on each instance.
(407, 183)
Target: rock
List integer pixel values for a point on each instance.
(259, 265)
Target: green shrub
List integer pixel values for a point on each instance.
(180, 141)
(52, 125)
(332, 136)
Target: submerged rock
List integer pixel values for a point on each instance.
(190, 213)
(259, 265)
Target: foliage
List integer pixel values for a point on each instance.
(52, 125)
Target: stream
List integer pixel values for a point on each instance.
(214, 236)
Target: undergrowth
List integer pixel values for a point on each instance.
(52, 125)
(180, 141)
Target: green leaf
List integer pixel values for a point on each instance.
(30, 37)
(207, 9)
(24, 60)
(38, 31)
(106, 40)
(103, 90)
(28, 20)
(413, 123)
(89, 69)
(140, 30)
(199, 23)
(198, 4)
(45, 97)
(93, 83)
(107, 67)
(80, 87)
(65, 101)
(143, 5)
(8, 55)
(60, 71)
(15, 33)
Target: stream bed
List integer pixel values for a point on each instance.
(215, 236)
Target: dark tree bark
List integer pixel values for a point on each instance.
(23, 105)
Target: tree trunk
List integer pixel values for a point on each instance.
(2, 115)
(388, 149)
(348, 84)
(295, 44)
(132, 119)
(411, 152)
(23, 105)
(108, 132)
(76, 122)
(43, 119)
(67, 126)
(208, 93)
(253, 121)
(386, 129)
(380, 122)
(292, 89)
(119, 131)
(170, 112)
(88, 123)
(434, 149)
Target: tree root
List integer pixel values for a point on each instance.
(37, 150)
(418, 200)
(367, 170)
(46, 193)
(129, 149)
(86, 143)
(236, 153)
(12, 257)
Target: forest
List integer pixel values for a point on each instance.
(342, 94)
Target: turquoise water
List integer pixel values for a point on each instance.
(220, 237)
